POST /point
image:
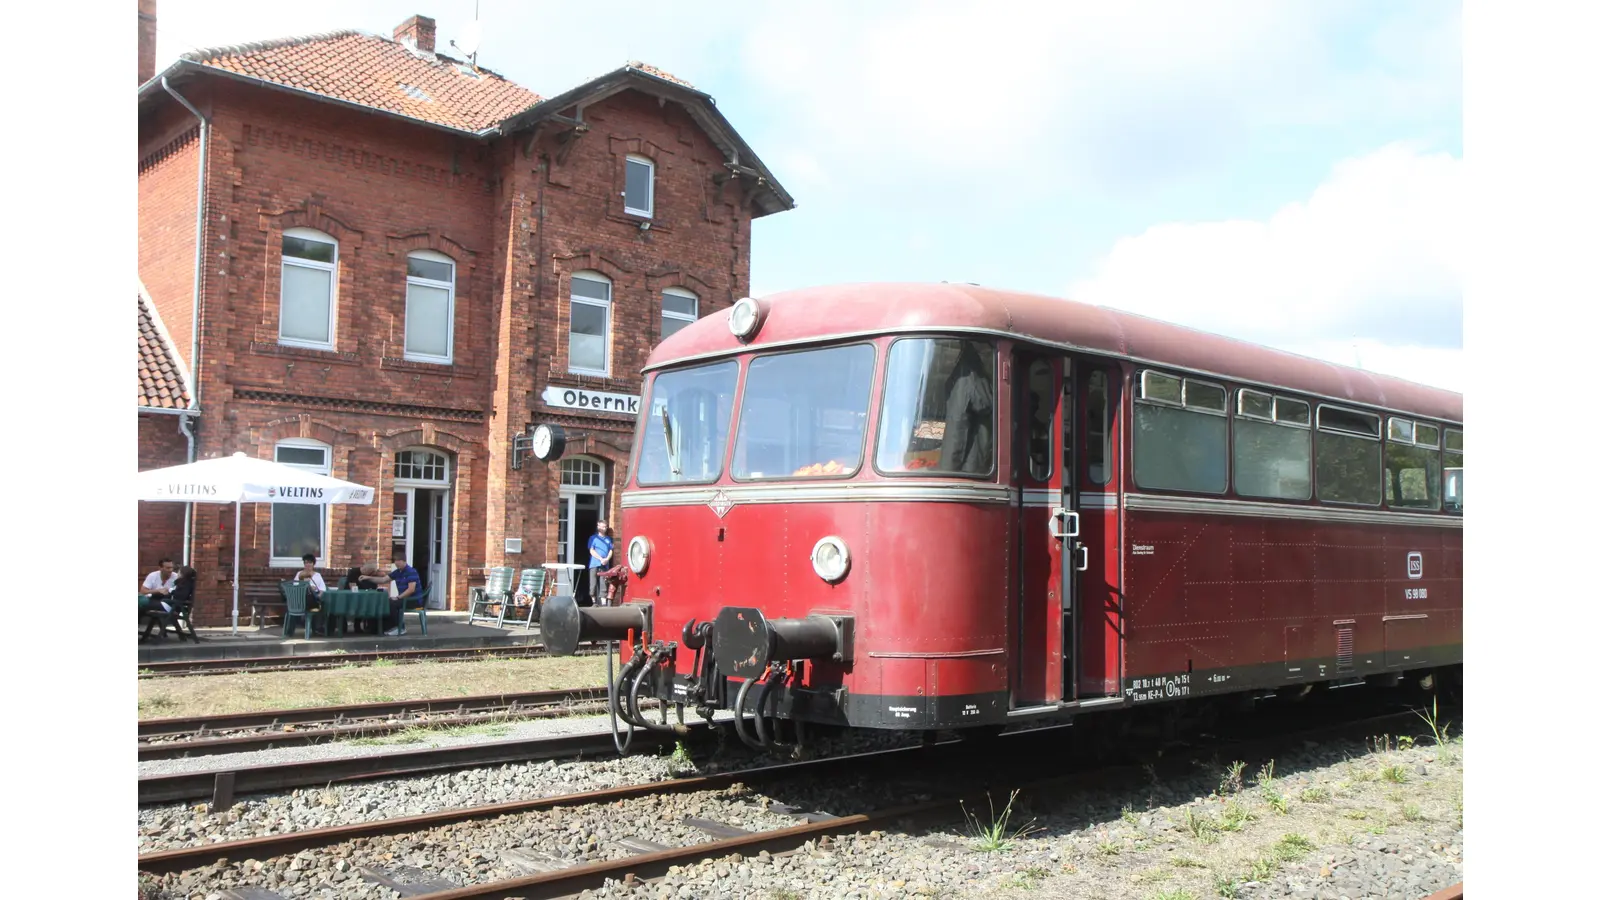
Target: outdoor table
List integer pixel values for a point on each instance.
(565, 573)
(355, 605)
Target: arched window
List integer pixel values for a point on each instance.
(590, 329)
(305, 309)
(580, 471)
(298, 529)
(430, 306)
(422, 464)
(679, 307)
(639, 186)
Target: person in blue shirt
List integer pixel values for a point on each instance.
(407, 582)
(600, 552)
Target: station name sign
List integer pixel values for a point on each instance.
(597, 401)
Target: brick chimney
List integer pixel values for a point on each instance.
(147, 40)
(417, 30)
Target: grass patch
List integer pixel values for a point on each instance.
(1412, 812)
(1292, 846)
(1184, 862)
(1440, 730)
(1314, 795)
(997, 834)
(1029, 878)
(1232, 780)
(1395, 774)
(157, 703)
(1234, 817)
(1108, 848)
(1201, 827)
(203, 695)
(783, 894)
(1174, 894)
(1129, 816)
(382, 664)
(421, 733)
(1359, 815)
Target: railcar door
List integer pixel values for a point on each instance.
(1094, 570)
(1040, 428)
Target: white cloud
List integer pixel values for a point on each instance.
(1371, 260)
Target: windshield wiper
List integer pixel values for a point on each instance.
(672, 449)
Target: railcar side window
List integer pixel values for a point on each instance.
(1271, 447)
(804, 414)
(686, 429)
(1453, 470)
(1099, 438)
(938, 408)
(1182, 444)
(1349, 457)
(1041, 412)
(1411, 465)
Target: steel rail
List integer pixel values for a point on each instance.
(178, 860)
(267, 740)
(569, 881)
(270, 718)
(223, 784)
(232, 665)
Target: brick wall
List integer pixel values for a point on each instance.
(169, 156)
(517, 220)
(161, 444)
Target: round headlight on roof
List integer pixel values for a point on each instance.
(745, 318)
(639, 554)
(830, 558)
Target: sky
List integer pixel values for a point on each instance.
(1285, 173)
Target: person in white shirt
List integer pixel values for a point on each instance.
(310, 573)
(160, 585)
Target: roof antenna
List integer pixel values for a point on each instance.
(471, 37)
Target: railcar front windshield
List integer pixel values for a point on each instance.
(938, 408)
(804, 414)
(686, 424)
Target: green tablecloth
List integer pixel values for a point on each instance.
(356, 604)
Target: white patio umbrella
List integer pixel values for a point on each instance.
(240, 479)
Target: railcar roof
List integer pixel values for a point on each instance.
(816, 313)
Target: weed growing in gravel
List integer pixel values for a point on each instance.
(1405, 742)
(1394, 773)
(1261, 868)
(1029, 878)
(1292, 846)
(1233, 780)
(1430, 717)
(1412, 812)
(156, 703)
(998, 835)
(1265, 778)
(1356, 814)
(1175, 894)
(1314, 795)
(1129, 816)
(783, 894)
(1184, 862)
(1201, 827)
(1234, 817)
(1226, 888)
(680, 761)
(383, 664)
(1108, 848)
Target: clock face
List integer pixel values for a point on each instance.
(541, 441)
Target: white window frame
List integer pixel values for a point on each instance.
(310, 234)
(443, 461)
(450, 308)
(682, 294)
(605, 336)
(278, 562)
(650, 202)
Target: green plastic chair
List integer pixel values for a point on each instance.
(294, 595)
(419, 605)
(496, 592)
(530, 583)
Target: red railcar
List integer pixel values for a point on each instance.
(945, 506)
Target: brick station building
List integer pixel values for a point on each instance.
(405, 261)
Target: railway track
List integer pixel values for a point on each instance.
(645, 860)
(176, 738)
(168, 668)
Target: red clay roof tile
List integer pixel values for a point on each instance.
(160, 375)
(376, 71)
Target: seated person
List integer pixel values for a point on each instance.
(362, 578)
(405, 583)
(183, 593)
(159, 585)
(309, 573)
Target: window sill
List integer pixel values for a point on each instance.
(635, 220)
(269, 348)
(432, 367)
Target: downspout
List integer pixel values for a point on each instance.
(194, 319)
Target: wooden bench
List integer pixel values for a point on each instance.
(265, 601)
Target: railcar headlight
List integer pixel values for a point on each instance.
(830, 558)
(744, 318)
(639, 554)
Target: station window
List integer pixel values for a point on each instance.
(430, 306)
(589, 336)
(679, 308)
(1452, 470)
(639, 188)
(804, 414)
(1272, 447)
(1411, 465)
(299, 528)
(1180, 440)
(938, 408)
(305, 307)
(1349, 457)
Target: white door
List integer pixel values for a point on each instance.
(400, 528)
(438, 544)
